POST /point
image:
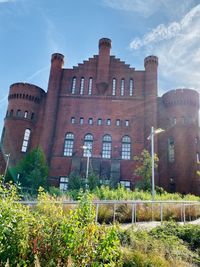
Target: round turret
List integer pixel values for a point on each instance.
(181, 97)
(104, 42)
(151, 60)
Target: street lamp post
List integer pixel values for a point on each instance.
(151, 137)
(88, 149)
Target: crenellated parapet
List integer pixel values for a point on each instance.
(181, 97)
(24, 100)
(151, 60)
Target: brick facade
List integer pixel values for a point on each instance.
(104, 96)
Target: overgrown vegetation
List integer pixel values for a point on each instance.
(51, 234)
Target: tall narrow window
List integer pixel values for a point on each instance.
(18, 113)
(26, 139)
(32, 116)
(117, 122)
(122, 87)
(131, 87)
(72, 120)
(114, 86)
(68, 144)
(90, 121)
(126, 123)
(126, 147)
(26, 114)
(64, 183)
(108, 122)
(171, 152)
(81, 120)
(73, 85)
(82, 86)
(90, 86)
(107, 146)
(88, 144)
(2, 135)
(99, 122)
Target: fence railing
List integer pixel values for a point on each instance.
(187, 210)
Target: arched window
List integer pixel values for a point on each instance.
(26, 139)
(73, 85)
(114, 86)
(68, 144)
(81, 121)
(171, 151)
(88, 144)
(82, 86)
(18, 113)
(131, 87)
(26, 114)
(126, 147)
(90, 86)
(107, 146)
(122, 87)
(3, 135)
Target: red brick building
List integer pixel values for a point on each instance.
(105, 105)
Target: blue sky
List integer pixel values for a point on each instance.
(31, 30)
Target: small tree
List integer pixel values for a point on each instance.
(75, 182)
(144, 169)
(33, 170)
(93, 181)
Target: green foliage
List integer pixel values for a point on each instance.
(15, 222)
(88, 244)
(144, 169)
(33, 170)
(93, 181)
(75, 182)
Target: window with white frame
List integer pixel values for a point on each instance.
(126, 123)
(68, 145)
(90, 121)
(114, 86)
(82, 86)
(171, 150)
(122, 87)
(26, 140)
(107, 146)
(126, 184)
(90, 86)
(88, 144)
(26, 114)
(99, 122)
(81, 120)
(63, 183)
(131, 87)
(72, 120)
(108, 122)
(73, 85)
(117, 122)
(126, 147)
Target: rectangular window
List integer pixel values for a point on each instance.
(171, 152)
(81, 120)
(122, 87)
(126, 184)
(64, 183)
(117, 122)
(90, 121)
(68, 148)
(114, 86)
(99, 122)
(126, 123)
(106, 152)
(72, 120)
(108, 122)
(90, 87)
(131, 87)
(82, 86)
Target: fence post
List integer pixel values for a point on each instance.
(114, 208)
(184, 213)
(161, 212)
(97, 212)
(133, 213)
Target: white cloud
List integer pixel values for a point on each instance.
(178, 47)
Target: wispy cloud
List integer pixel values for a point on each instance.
(148, 7)
(178, 49)
(35, 74)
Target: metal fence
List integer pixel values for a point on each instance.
(188, 210)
